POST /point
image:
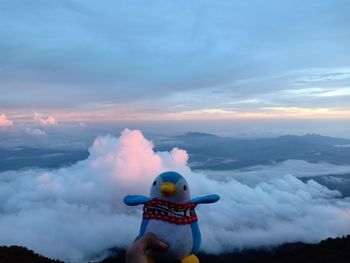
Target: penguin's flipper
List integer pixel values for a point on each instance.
(133, 200)
(196, 236)
(144, 224)
(190, 259)
(207, 199)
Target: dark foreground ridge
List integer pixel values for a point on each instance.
(16, 254)
(328, 251)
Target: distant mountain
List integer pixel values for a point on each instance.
(220, 153)
(196, 135)
(327, 251)
(24, 157)
(315, 139)
(207, 152)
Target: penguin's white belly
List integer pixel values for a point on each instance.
(178, 237)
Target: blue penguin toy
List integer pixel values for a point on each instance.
(169, 214)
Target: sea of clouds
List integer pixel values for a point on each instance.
(75, 213)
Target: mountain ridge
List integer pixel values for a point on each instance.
(330, 250)
(206, 151)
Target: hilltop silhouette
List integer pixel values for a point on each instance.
(327, 251)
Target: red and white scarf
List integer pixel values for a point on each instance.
(180, 214)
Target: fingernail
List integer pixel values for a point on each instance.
(162, 244)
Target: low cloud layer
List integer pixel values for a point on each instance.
(75, 213)
(298, 168)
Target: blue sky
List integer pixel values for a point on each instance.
(80, 61)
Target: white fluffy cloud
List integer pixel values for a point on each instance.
(4, 121)
(75, 213)
(271, 213)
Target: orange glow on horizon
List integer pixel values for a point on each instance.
(211, 114)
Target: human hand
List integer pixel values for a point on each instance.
(137, 251)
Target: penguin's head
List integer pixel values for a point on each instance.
(170, 186)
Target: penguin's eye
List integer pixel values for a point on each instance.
(154, 183)
(185, 187)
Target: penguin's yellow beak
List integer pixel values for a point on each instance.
(168, 189)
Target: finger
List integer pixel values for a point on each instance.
(151, 241)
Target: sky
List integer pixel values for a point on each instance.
(177, 62)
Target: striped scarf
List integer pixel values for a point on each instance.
(180, 214)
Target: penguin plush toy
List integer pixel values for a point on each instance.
(169, 214)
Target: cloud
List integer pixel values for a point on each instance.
(342, 145)
(273, 212)
(178, 46)
(260, 173)
(80, 207)
(35, 132)
(237, 58)
(4, 121)
(49, 120)
(76, 212)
